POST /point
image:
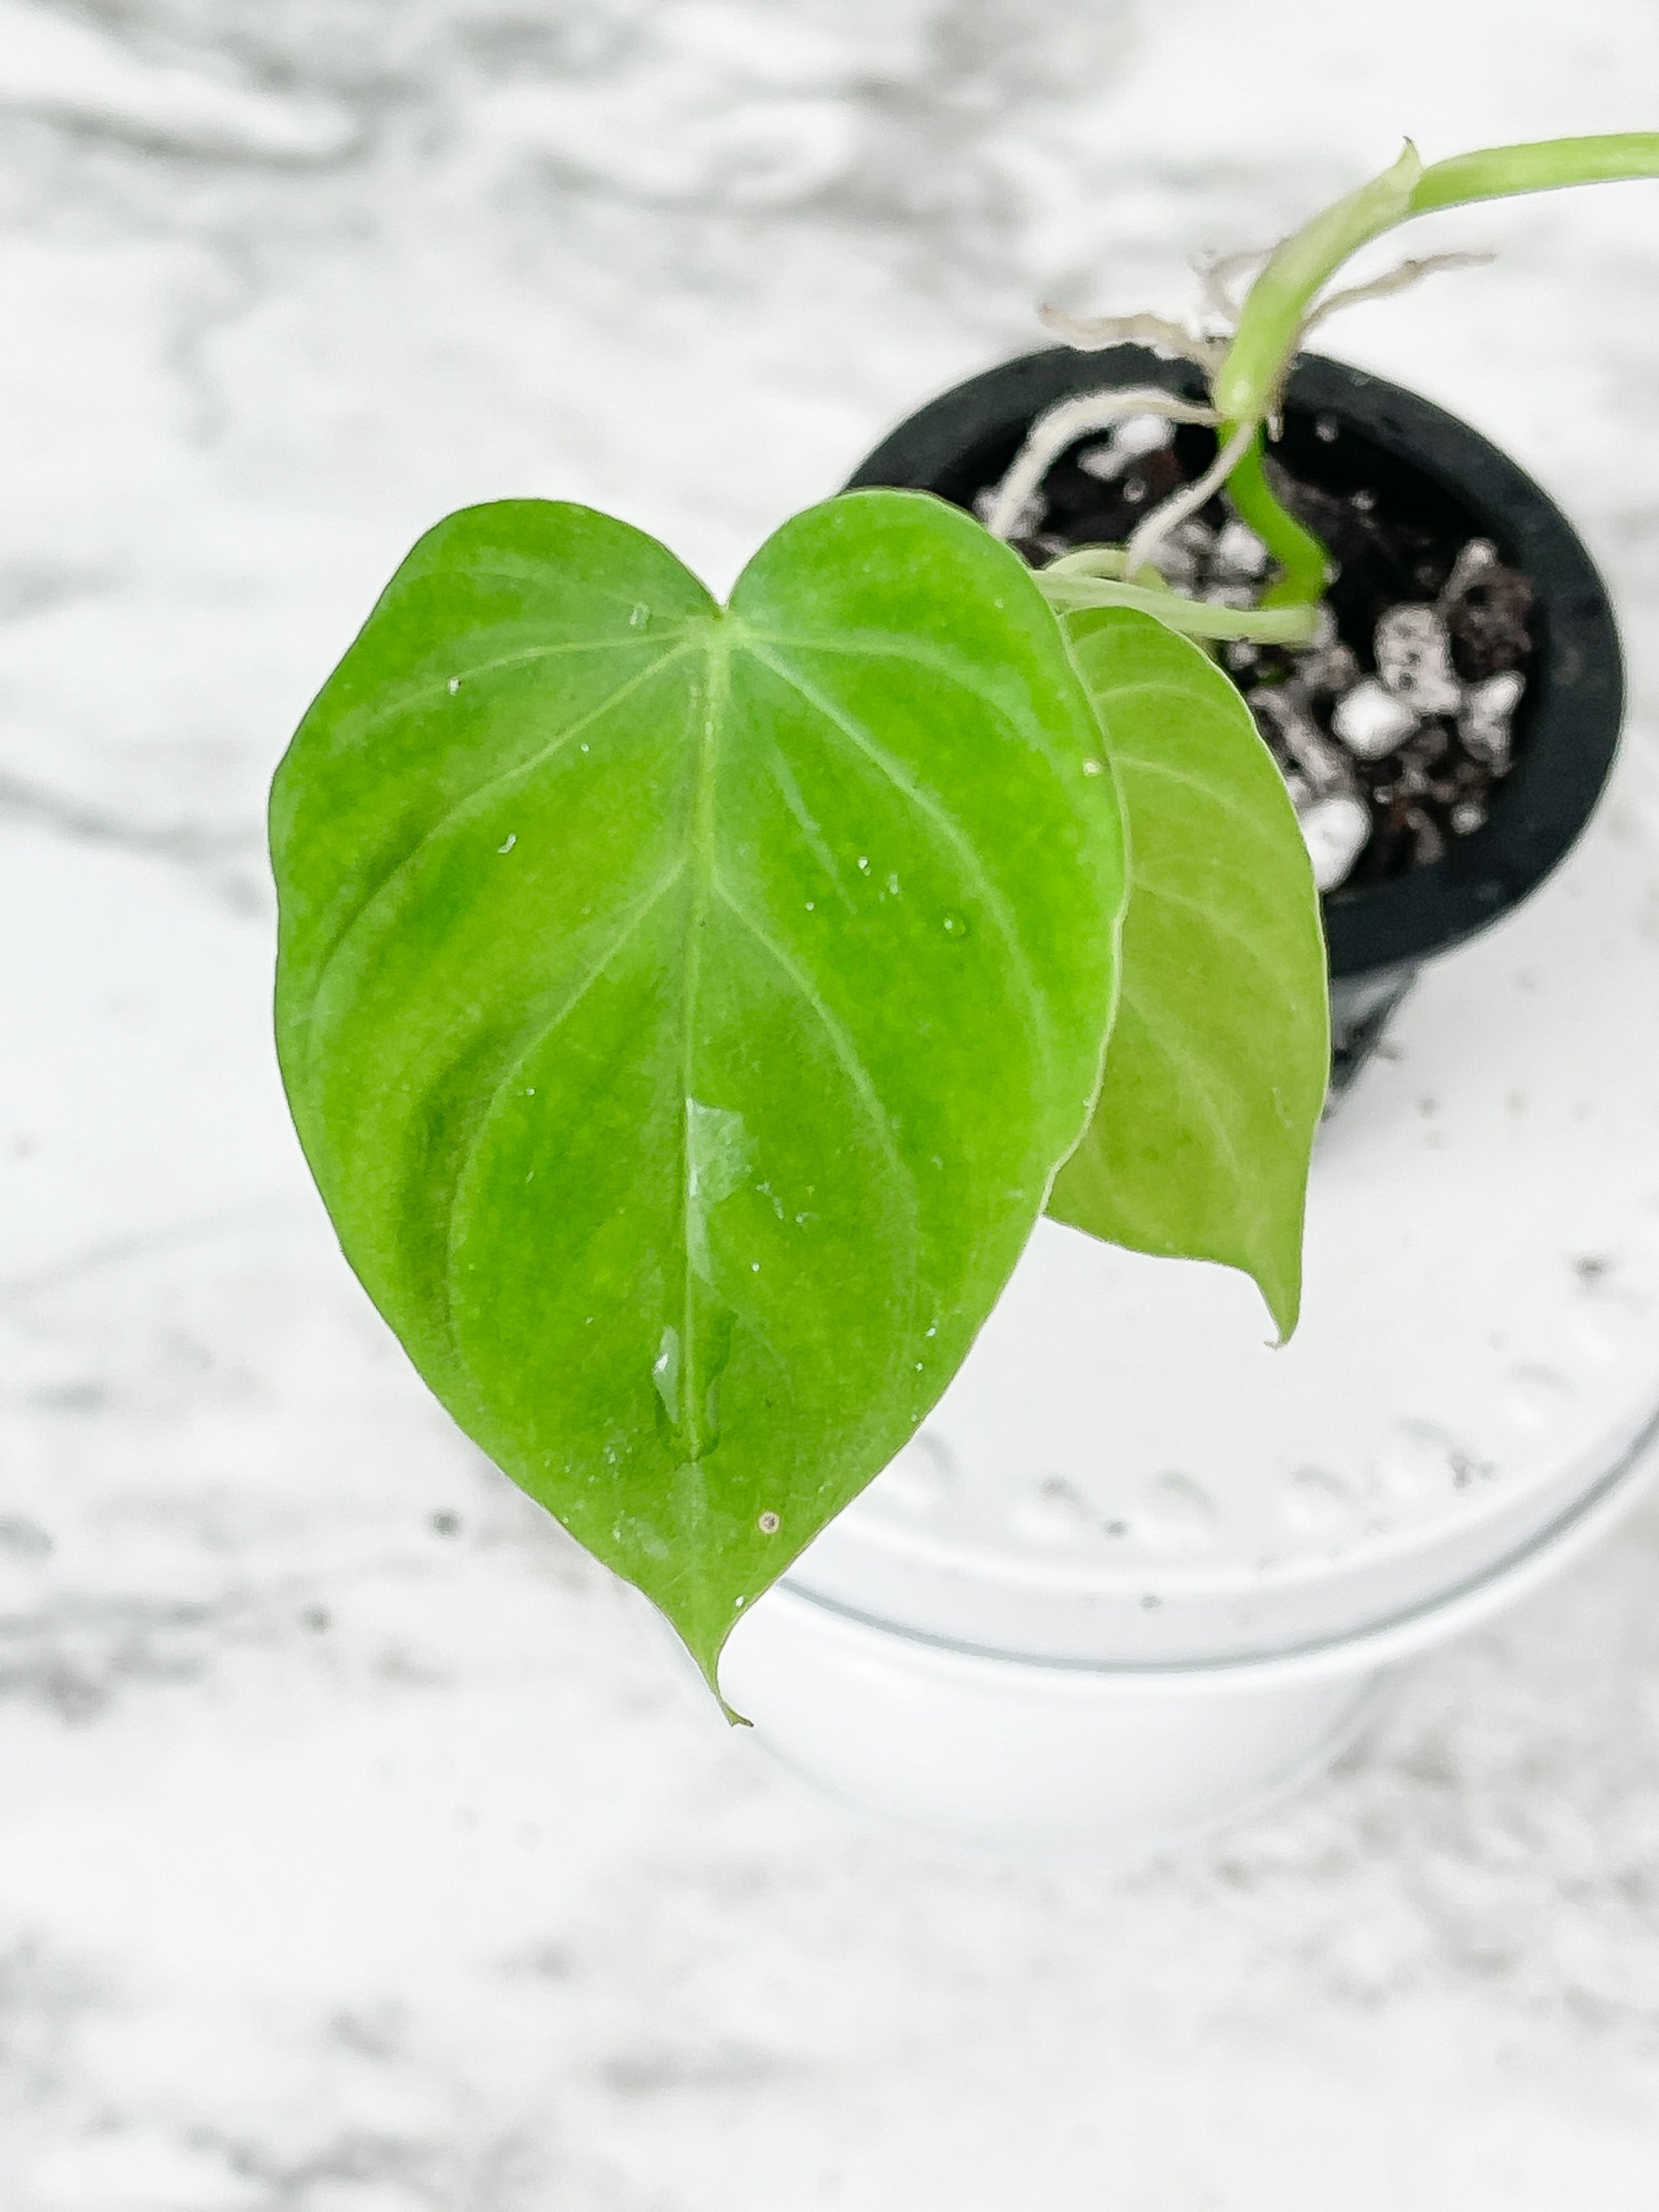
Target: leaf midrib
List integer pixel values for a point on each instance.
(706, 888)
(700, 876)
(1160, 892)
(470, 802)
(535, 1034)
(920, 652)
(928, 804)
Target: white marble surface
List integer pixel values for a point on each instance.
(358, 1851)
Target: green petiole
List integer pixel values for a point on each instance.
(1247, 384)
(1303, 560)
(1540, 166)
(1246, 387)
(1070, 591)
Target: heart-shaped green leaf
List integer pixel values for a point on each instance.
(684, 1010)
(1218, 1061)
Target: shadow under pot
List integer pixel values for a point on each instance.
(1454, 725)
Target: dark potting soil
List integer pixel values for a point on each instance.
(1405, 707)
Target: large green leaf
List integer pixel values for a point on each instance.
(1218, 1061)
(684, 1010)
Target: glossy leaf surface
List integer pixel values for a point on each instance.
(685, 1009)
(1217, 1069)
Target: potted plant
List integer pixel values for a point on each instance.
(688, 1012)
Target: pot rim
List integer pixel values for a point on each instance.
(1574, 704)
(1373, 1643)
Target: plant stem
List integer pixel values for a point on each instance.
(1538, 167)
(1247, 386)
(1073, 592)
(1305, 563)
(1169, 513)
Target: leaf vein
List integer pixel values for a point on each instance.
(1189, 1066)
(1150, 887)
(921, 653)
(1128, 762)
(539, 1027)
(473, 801)
(362, 721)
(841, 1040)
(928, 805)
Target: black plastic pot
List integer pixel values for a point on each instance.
(1566, 728)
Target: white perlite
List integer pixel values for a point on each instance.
(1336, 821)
(1239, 552)
(1473, 565)
(1413, 658)
(1335, 829)
(1322, 764)
(1484, 723)
(1129, 441)
(1027, 519)
(1327, 670)
(1371, 721)
(1187, 555)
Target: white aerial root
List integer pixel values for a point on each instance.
(1060, 428)
(1215, 273)
(1152, 529)
(1055, 432)
(1090, 333)
(1393, 279)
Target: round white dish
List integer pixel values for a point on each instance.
(1140, 1568)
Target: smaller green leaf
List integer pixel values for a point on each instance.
(1218, 1066)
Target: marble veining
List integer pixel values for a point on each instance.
(361, 1848)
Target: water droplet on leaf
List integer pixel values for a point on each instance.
(665, 1372)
